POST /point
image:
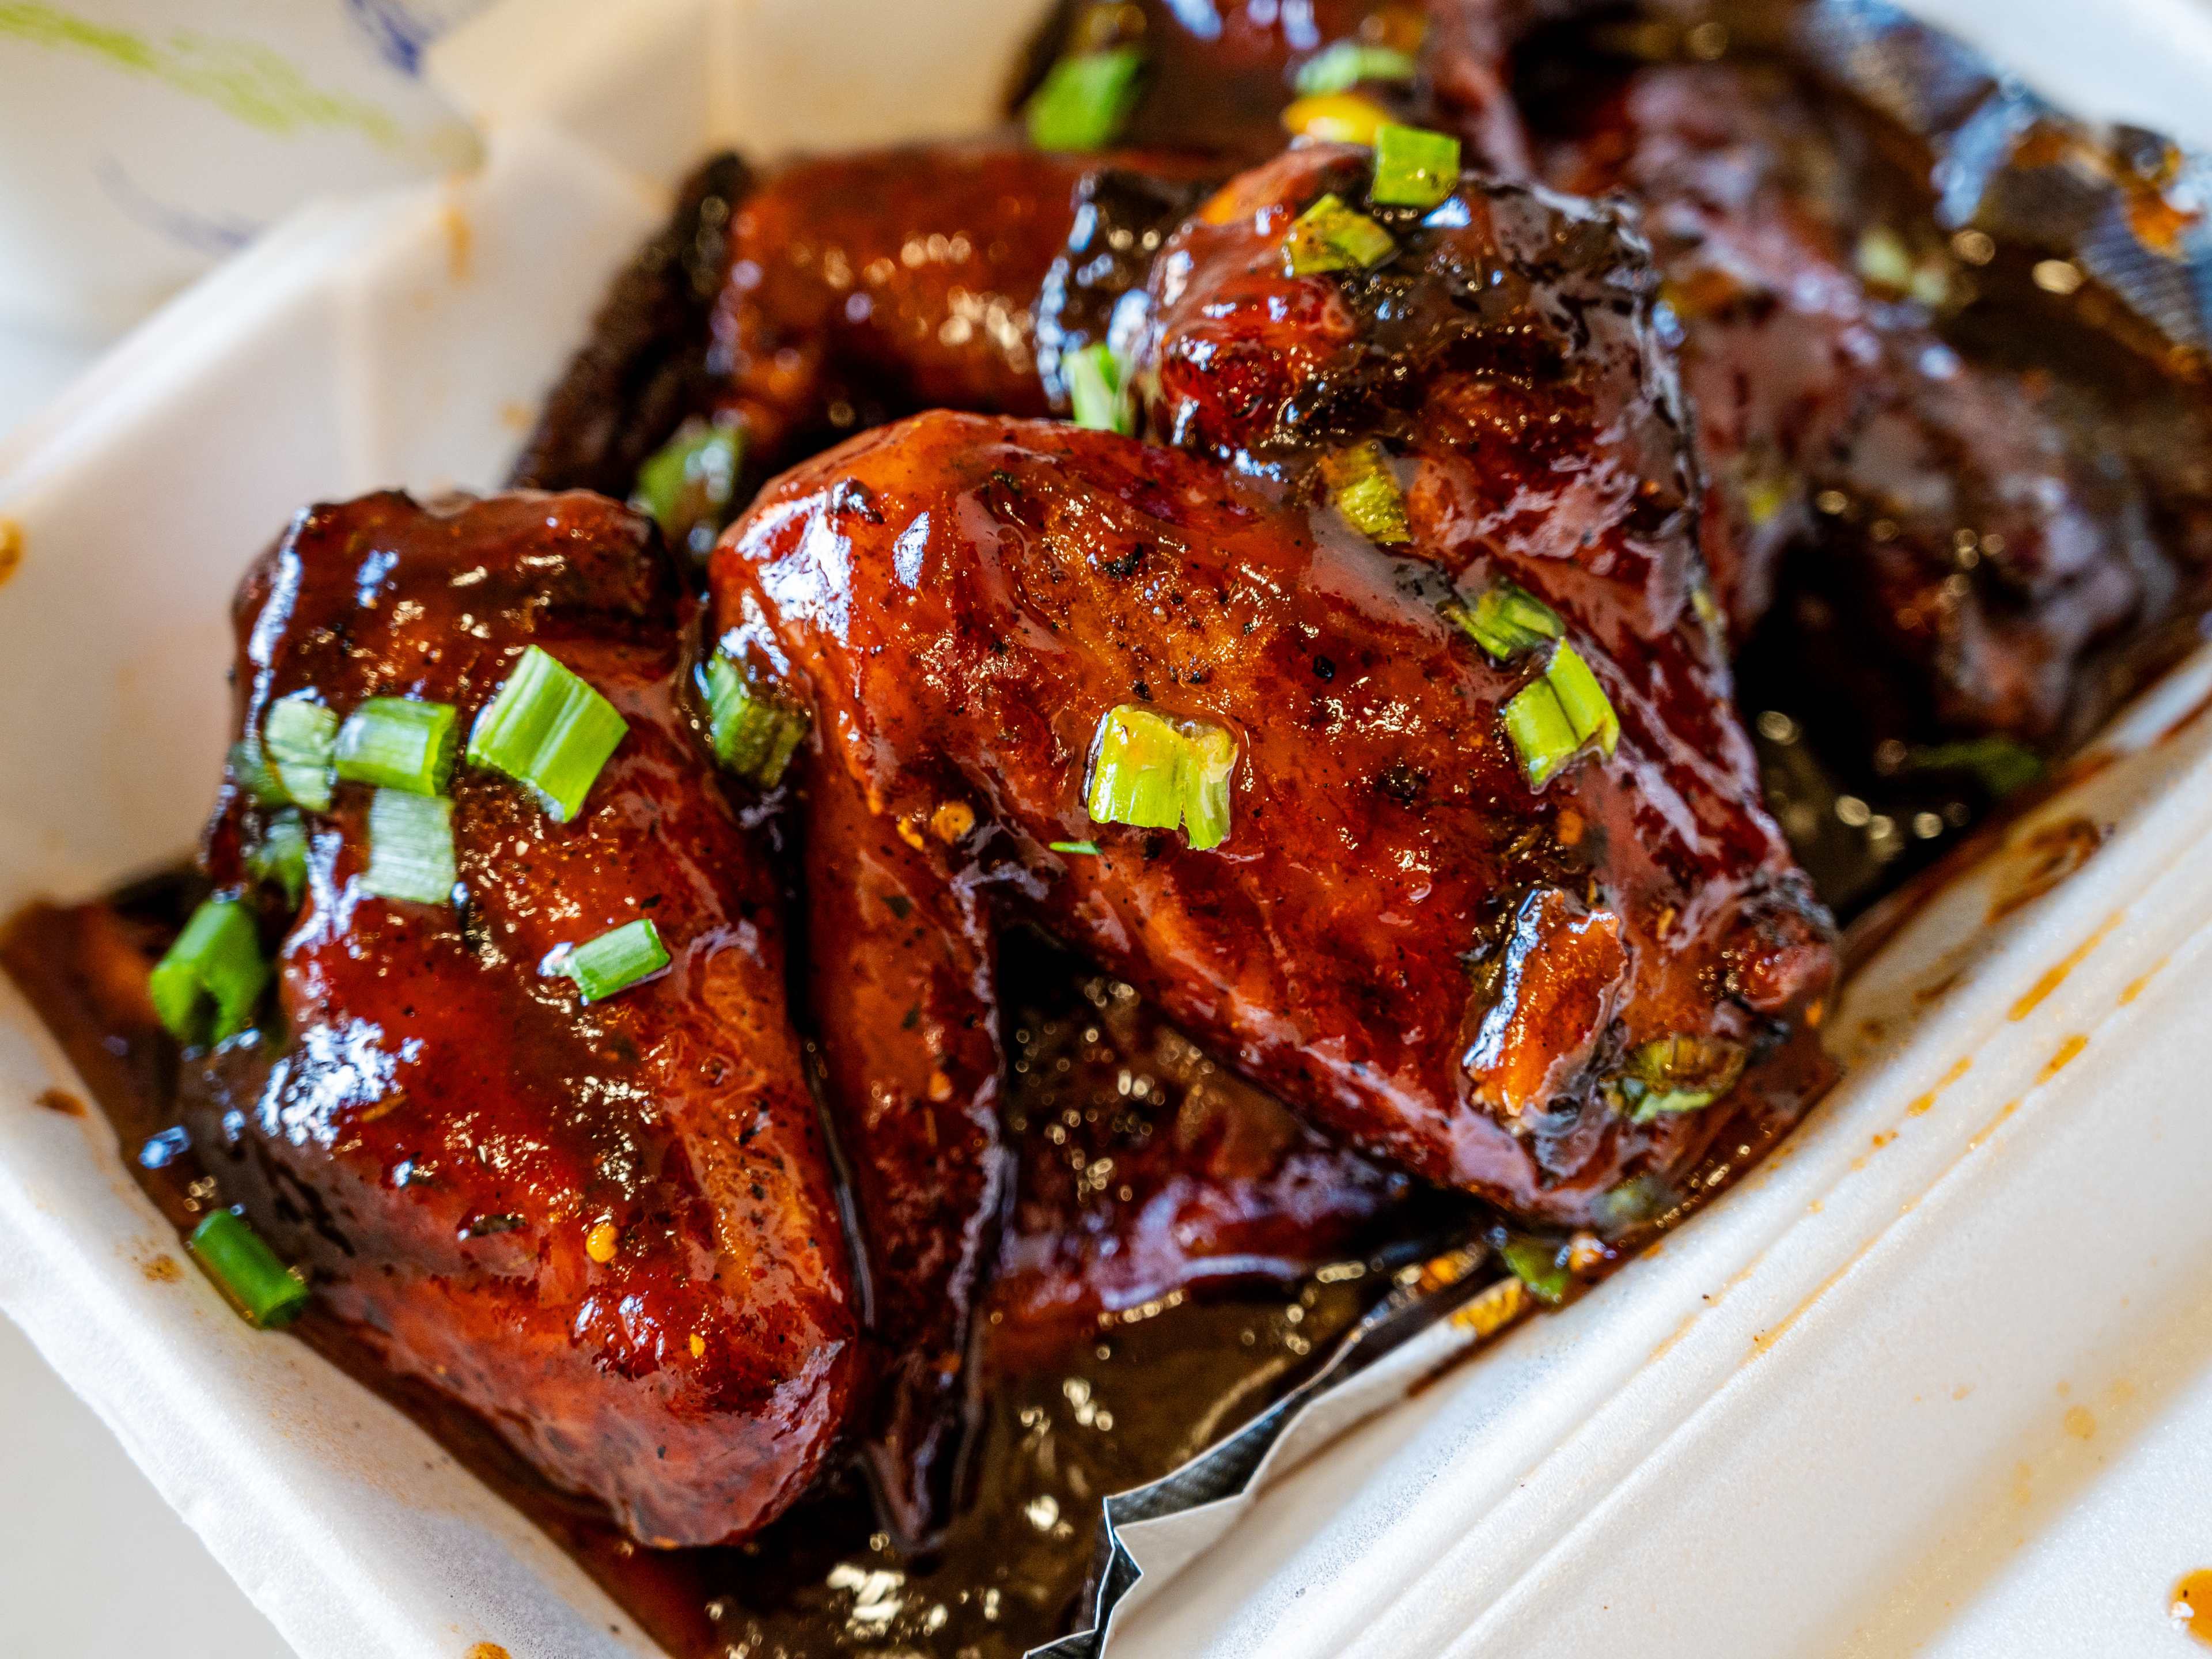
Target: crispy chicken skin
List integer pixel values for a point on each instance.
(610, 1230)
(1399, 937)
(1964, 529)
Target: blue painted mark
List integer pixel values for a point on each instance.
(203, 232)
(398, 33)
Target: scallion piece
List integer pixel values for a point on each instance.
(1094, 387)
(755, 735)
(1343, 64)
(1085, 100)
(280, 855)
(1508, 621)
(1330, 236)
(616, 960)
(549, 729)
(1154, 772)
(1413, 167)
(1088, 849)
(297, 738)
(205, 987)
(1589, 709)
(1551, 719)
(689, 484)
(410, 847)
(251, 1276)
(250, 771)
(1678, 1074)
(1366, 492)
(397, 743)
(1537, 1265)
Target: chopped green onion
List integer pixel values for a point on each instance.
(1081, 848)
(616, 961)
(206, 987)
(1085, 100)
(1678, 1074)
(1537, 1265)
(297, 738)
(1154, 772)
(1507, 621)
(689, 484)
(1330, 236)
(410, 847)
(1413, 167)
(1094, 387)
(250, 771)
(1343, 64)
(250, 1275)
(549, 729)
(2001, 764)
(397, 743)
(1550, 719)
(281, 856)
(755, 735)
(1366, 492)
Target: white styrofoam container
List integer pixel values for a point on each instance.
(1936, 1378)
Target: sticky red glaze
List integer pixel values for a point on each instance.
(965, 598)
(899, 978)
(889, 282)
(426, 1079)
(1807, 384)
(1147, 1169)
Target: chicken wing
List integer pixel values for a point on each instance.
(610, 1228)
(1480, 978)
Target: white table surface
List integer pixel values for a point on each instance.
(93, 1563)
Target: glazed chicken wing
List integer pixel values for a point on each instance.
(608, 1228)
(1943, 508)
(1490, 982)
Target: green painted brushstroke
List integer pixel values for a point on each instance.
(242, 78)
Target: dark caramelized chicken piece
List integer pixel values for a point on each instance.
(1941, 506)
(609, 1230)
(1400, 936)
(1148, 1173)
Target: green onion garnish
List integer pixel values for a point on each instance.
(410, 847)
(1154, 772)
(1344, 64)
(207, 985)
(2000, 765)
(397, 743)
(1507, 621)
(1537, 1265)
(1677, 1074)
(280, 855)
(1413, 167)
(755, 735)
(689, 484)
(1075, 848)
(615, 961)
(1094, 387)
(251, 1276)
(1085, 100)
(1552, 719)
(549, 729)
(297, 738)
(250, 771)
(1330, 236)
(1366, 492)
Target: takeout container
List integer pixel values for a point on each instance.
(1937, 1378)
